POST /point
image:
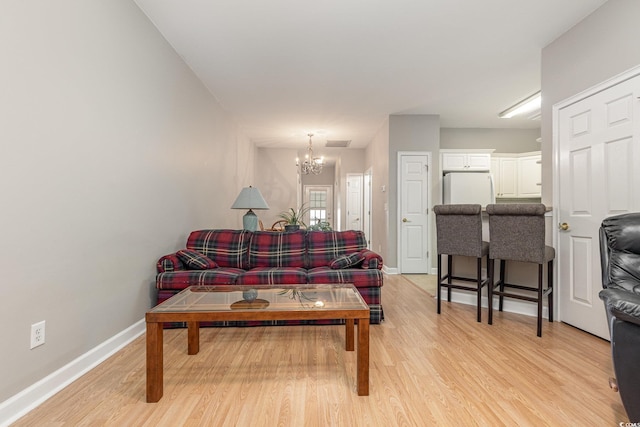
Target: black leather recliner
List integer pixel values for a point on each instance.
(620, 260)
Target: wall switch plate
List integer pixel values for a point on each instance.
(37, 334)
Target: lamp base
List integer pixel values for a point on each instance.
(250, 221)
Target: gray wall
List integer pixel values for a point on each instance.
(601, 46)
(502, 140)
(409, 133)
(112, 151)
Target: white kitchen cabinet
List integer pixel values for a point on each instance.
(530, 176)
(505, 176)
(517, 175)
(452, 161)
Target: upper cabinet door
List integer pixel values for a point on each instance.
(479, 161)
(506, 178)
(454, 161)
(466, 162)
(530, 176)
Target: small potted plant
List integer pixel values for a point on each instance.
(294, 218)
(320, 226)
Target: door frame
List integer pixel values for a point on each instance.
(555, 151)
(330, 200)
(428, 188)
(348, 178)
(367, 194)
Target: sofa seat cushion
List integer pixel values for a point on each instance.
(325, 246)
(273, 276)
(183, 279)
(269, 249)
(227, 248)
(359, 277)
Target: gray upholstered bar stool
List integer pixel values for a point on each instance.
(459, 233)
(517, 233)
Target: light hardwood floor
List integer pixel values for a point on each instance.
(426, 369)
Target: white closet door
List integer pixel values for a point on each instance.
(599, 150)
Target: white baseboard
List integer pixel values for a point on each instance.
(20, 404)
(389, 270)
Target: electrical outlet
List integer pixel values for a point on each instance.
(37, 334)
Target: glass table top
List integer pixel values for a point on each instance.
(265, 298)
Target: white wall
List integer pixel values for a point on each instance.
(377, 158)
(601, 46)
(112, 151)
(502, 140)
(276, 177)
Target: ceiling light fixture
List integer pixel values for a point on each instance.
(525, 106)
(311, 164)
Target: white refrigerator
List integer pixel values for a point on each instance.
(469, 188)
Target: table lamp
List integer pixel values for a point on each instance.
(250, 198)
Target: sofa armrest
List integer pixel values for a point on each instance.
(169, 263)
(622, 304)
(371, 260)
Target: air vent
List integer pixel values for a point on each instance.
(338, 143)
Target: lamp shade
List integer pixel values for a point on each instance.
(250, 198)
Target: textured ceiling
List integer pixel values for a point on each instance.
(339, 68)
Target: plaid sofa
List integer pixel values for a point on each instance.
(241, 257)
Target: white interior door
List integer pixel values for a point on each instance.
(354, 201)
(598, 150)
(319, 200)
(413, 171)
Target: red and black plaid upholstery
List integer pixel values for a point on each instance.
(273, 276)
(227, 248)
(371, 259)
(360, 277)
(169, 263)
(346, 261)
(325, 246)
(178, 280)
(195, 260)
(269, 249)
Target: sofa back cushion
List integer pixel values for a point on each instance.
(325, 246)
(271, 249)
(227, 248)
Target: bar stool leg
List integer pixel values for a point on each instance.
(439, 292)
(550, 286)
(479, 282)
(490, 290)
(540, 276)
(503, 267)
(450, 273)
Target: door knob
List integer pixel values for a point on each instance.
(405, 220)
(563, 226)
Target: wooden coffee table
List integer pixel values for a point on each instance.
(272, 302)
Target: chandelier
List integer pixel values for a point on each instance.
(311, 164)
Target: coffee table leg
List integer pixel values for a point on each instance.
(349, 335)
(193, 346)
(154, 362)
(363, 357)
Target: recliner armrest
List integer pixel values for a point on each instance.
(622, 304)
